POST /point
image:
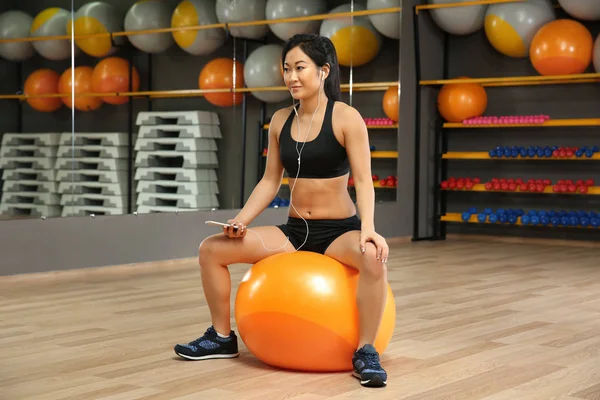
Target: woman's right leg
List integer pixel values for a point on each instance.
(215, 254)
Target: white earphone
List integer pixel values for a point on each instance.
(299, 152)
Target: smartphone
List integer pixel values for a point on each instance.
(215, 223)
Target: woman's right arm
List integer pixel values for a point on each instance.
(266, 190)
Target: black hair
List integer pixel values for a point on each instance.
(321, 51)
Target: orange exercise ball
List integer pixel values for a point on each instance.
(297, 311)
(83, 84)
(43, 81)
(459, 101)
(561, 47)
(111, 75)
(218, 74)
(390, 103)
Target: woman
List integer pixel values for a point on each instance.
(324, 137)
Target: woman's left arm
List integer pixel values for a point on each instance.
(356, 141)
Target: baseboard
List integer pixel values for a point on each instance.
(522, 240)
(125, 269)
(91, 272)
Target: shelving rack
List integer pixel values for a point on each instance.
(150, 95)
(442, 130)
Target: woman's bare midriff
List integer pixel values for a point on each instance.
(321, 198)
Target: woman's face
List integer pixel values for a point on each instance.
(301, 75)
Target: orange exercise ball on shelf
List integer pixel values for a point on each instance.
(218, 74)
(561, 47)
(298, 311)
(390, 103)
(112, 75)
(460, 101)
(43, 81)
(83, 84)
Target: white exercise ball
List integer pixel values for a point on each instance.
(588, 10)
(15, 24)
(463, 20)
(243, 11)
(149, 14)
(263, 69)
(388, 24)
(277, 9)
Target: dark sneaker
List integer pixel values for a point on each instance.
(367, 367)
(209, 346)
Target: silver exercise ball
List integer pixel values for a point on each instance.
(263, 69)
(388, 24)
(149, 14)
(14, 25)
(242, 11)
(463, 20)
(588, 10)
(52, 22)
(277, 9)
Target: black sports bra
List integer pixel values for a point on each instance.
(321, 158)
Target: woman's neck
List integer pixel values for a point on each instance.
(309, 105)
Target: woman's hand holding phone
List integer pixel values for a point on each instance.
(235, 230)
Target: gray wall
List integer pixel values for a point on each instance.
(474, 57)
(78, 242)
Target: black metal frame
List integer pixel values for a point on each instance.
(440, 147)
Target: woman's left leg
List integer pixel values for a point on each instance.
(371, 296)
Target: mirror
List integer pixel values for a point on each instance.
(172, 99)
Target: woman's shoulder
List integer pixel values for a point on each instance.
(345, 113)
(279, 117)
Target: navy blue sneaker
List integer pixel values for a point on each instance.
(209, 346)
(367, 367)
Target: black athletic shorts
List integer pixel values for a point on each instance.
(321, 232)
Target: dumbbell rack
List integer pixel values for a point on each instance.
(555, 217)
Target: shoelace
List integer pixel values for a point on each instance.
(207, 336)
(372, 360)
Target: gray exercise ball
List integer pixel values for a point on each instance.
(277, 9)
(263, 69)
(463, 20)
(243, 11)
(388, 24)
(15, 24)
(588, 10)
(149, 14)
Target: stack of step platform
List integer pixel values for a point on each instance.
(29, 181)
(176, 161)
(92, 171)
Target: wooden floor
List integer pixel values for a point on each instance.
(476, 320)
